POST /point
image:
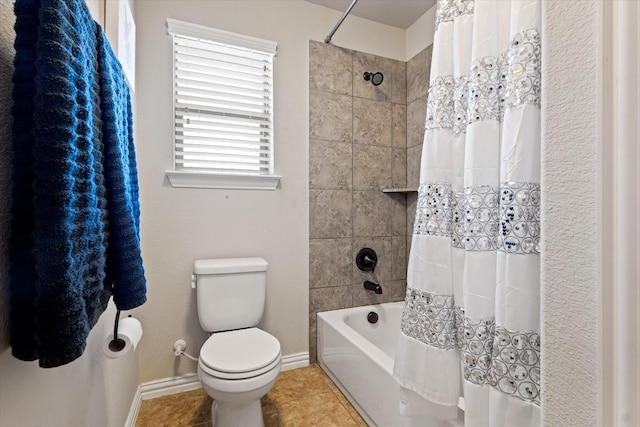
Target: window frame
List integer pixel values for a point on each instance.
(193, 178)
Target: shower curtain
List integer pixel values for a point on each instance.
(470, 325)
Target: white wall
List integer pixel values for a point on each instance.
(91, 391)
(182, 225)
(420, 34)
(96, 7)
(569, 213)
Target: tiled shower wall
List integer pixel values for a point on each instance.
(418, 69)
(362, 139)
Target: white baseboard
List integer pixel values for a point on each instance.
(187, 382)
(296, 360)
(157, 388)
(170, 385)
(134, 409)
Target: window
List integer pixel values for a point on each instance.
(223, 109)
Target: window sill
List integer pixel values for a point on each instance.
(186, 179)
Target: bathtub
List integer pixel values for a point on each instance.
(358, 357)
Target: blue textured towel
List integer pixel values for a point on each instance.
(75, 216)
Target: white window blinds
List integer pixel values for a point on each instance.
(223, 101)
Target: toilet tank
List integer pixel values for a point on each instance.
(230, 292)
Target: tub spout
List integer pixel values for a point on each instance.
(372, 287)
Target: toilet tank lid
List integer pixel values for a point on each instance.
(230, 265)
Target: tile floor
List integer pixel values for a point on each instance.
(303, 397)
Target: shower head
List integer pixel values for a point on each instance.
(376, 78)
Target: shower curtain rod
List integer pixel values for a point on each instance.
(344, 15)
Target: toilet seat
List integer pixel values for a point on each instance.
(240, 354)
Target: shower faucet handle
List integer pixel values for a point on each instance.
(366, 259)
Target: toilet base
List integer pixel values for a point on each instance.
(233, 415)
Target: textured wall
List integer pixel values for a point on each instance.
(358, 145)
(569, 214)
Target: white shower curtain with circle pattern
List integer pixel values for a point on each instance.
(471, 320)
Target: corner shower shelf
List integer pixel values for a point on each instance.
(399, 190)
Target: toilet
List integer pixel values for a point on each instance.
(239, 363)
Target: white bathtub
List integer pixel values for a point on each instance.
(358, 357)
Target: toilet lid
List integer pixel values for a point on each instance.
(243, 350)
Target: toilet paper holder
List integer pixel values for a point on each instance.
(124, 337)
(117, 344)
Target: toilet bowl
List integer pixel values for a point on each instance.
(239, 363)
(237, 368)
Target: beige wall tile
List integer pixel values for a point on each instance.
(313, 348)
(330, 165)
(399, 82)
(416, 116)
(330, 262)
(418, 71)
(330, 116)
(326, 299)
(399, 168)
(412, 201)
(372, 167)
(397, 290)
(371, 122)
(365, 62)
(398, 213)
(399, 258)
(329, 214)
(330, 68)
(399, 123)
(413, 166)
(371, 214)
